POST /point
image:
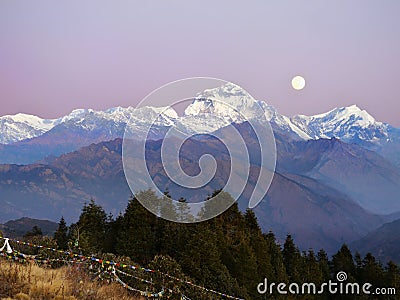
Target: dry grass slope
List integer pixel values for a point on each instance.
(26, 282)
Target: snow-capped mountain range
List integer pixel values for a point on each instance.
(22, 126)
(209, 112)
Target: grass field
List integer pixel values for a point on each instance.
(29, 281)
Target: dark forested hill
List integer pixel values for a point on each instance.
(19, 227)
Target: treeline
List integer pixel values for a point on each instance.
(228, 253)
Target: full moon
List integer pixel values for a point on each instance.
(298, 82)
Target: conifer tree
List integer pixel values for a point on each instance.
(184, 211)
(323, 262)
(392, 278)
(259, 246)
(92, 228)
(111, 234)
(343, 261)
(312, 271)
(61, 235)
(293, 260)
(137, 230)
(202, 261)
(372, 271)
(277, 261)
(359, 265)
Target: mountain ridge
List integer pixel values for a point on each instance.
(64, 184)
(235, 102)
(27, 139)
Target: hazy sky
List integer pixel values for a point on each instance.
(59, 55)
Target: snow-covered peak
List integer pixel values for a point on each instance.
(343, 114)
(21, 126)
(76, 114)
(231, 103)
(162, 115)
(347, 123)
(227, 90)
(210, 110)
(228, 101)
(29, 120)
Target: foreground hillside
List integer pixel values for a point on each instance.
(25, 282)
(223, 258)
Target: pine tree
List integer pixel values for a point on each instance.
(312, 271)
(342, 261)
(235, 247)
(293, 260)
(259, 246)
(111, 234)
(323, 262)
(359, 265)
(137, 230)
(217, 202)
(372, 271)
(184, 211)
(168, 209)
(202, 261)
(92, 228)
(392, 278)
(61, 235)
(277, 261)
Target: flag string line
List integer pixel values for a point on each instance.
(135, 277)
(142, 293)
(116, 264)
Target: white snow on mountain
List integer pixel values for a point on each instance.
(350, 124)
(228, 101)
(22, 126)
(233, 104)
(209, 111)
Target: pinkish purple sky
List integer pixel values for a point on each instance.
(56, 56)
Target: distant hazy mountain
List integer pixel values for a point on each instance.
(362, 174)
(317, 215)
(19, 227)
(383, 243)
(49, 191)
